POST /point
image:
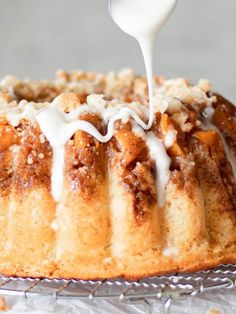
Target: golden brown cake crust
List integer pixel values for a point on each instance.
(108, 222)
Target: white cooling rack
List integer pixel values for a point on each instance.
(166, 289)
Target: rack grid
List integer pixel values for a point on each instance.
(166, 289)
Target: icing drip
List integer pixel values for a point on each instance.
(162, 161)
(24, 110)
(158, 154)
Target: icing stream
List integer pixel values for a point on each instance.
(158, 153)
(143, 20)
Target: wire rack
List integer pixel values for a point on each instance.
(165, 288)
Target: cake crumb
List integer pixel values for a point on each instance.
(30, 160)
(42, 138)
(13, 148)
(83, 170)
(3, 305)
(204, 85)
(41, 155)
(10, 170)
(213, 311)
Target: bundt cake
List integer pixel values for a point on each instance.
(86, 192)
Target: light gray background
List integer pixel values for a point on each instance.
(39, 37)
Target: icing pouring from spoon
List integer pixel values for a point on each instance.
(142, 19)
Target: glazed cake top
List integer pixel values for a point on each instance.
(56, 106)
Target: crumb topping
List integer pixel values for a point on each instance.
(96, 98)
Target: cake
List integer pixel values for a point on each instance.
(87, 193)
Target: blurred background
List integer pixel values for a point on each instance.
(39, 37)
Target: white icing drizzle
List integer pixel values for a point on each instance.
(208, 113)
(58, 127)
(58, 130)
(158, 154)
(157, 151)
(24, 110)
(153, 14)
